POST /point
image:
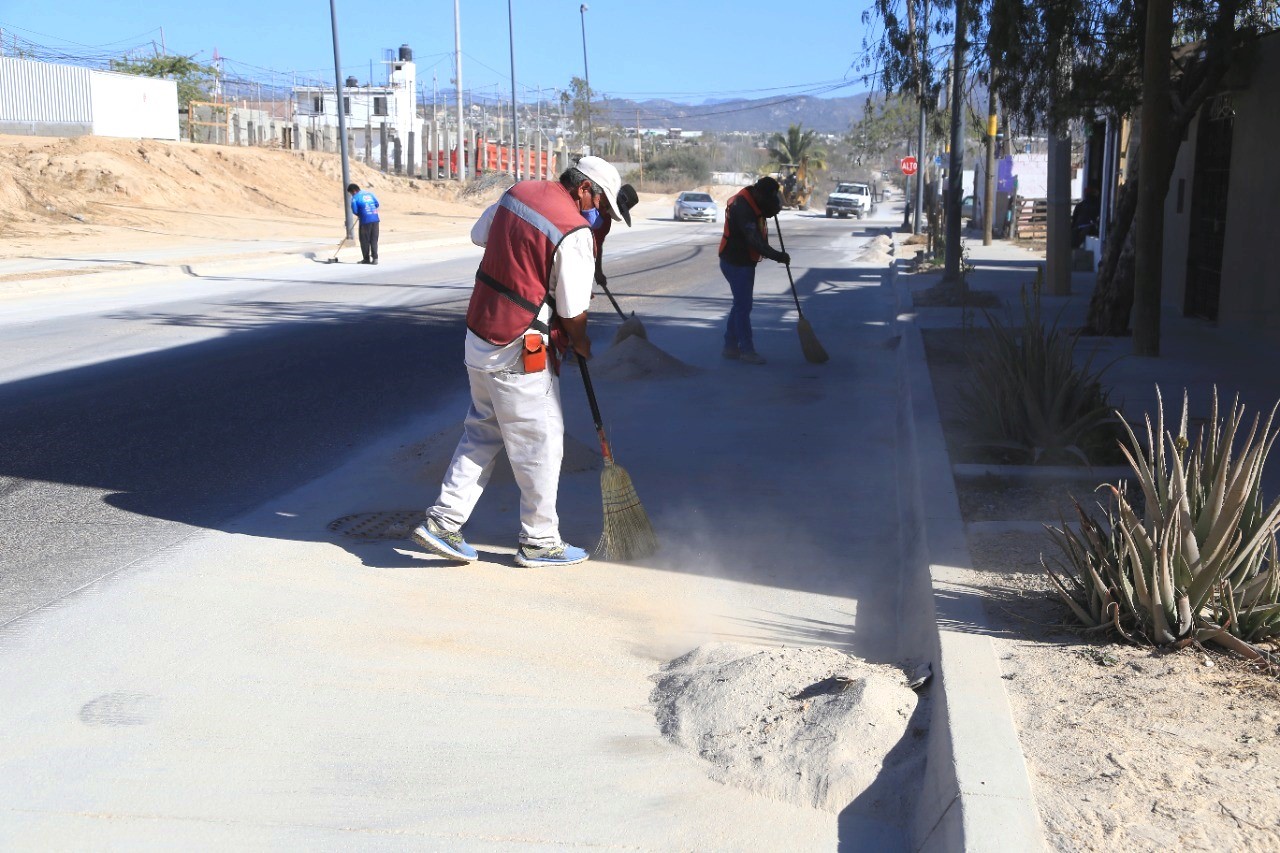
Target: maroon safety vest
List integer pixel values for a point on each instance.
(514, 278)
(745, 193)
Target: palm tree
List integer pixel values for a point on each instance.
(797, 147)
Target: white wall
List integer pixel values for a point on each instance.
(1032, 172)
(45, 98)
(41, 98)
(134, 107)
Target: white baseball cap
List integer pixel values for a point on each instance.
(606, 177)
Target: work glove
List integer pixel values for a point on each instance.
(601, 280)
(783, 258)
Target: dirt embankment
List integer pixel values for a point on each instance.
(93, 192)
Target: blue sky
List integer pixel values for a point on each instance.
(684, 50)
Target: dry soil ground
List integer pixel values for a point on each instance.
(92, 194)
(1129, 748)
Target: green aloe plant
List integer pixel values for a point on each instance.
(1199, 560)
(1028, 397)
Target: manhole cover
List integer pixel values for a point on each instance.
(387, 524)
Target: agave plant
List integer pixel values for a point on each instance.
(1199, 560)
(1029, 398)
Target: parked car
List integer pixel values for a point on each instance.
(691, 205)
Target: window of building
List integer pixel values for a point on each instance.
(346, 105)
(380, 106)
(317, 104)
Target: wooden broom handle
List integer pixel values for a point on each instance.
(783, 246)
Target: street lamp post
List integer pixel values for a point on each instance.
(515, 119)
(342, 119)
(582, 12)
(462, 131)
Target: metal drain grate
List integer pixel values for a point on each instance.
(386, 524)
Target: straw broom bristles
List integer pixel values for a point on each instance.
(809, 345)
(813, 351)
(631, 327)
(627, 533)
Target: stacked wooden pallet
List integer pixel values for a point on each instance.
(1031, 219)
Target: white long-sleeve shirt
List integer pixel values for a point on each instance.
(573, 270)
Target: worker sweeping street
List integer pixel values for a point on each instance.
(627, 199)
(364, 205)
(528, 307)
(745, 241)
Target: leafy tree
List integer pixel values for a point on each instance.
(578, 98)
(1062, 59)
(192, 77)
(797, 145)
(885, 129)
(907, 66)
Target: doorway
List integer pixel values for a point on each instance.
(1209, 208)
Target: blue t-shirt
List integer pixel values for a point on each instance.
(365, 205)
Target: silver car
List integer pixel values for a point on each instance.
(695, 206)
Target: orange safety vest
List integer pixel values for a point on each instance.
(745, 193)
(514, 278)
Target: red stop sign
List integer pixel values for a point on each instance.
(909, 166)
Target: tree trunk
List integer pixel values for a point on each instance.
(989, 186)
(1111, 302)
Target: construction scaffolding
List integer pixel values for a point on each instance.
(208, 122)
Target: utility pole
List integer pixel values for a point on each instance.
(918, 48)
(640, 147)
(457, 52)
(989, 191)
(342, 118)
(515, 120)
(586, 73)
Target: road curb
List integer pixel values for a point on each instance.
(976, 794)
(198, 265)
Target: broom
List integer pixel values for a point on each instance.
(627, 533)
(813, 351)
(631, 326)
(334, 259)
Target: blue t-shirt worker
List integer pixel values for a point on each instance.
(364, 204)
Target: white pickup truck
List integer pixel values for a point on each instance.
(849, 198)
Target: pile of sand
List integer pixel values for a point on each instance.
(812, 726)
(878, 250)
(636, 358)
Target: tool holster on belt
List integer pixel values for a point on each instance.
(534, 352)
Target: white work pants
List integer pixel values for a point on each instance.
(520, 411)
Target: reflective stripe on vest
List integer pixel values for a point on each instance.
(745, 193)
(514, 278)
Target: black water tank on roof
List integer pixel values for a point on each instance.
(406, 53)
(352, 83)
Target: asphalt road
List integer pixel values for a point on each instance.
(130, 417)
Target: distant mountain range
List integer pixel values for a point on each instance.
(762, 115)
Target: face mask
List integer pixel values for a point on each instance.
(592, 216)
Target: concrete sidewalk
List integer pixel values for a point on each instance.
(275, 684)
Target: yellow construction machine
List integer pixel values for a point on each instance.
(795, 185)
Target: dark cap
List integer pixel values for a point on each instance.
(627, 199)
